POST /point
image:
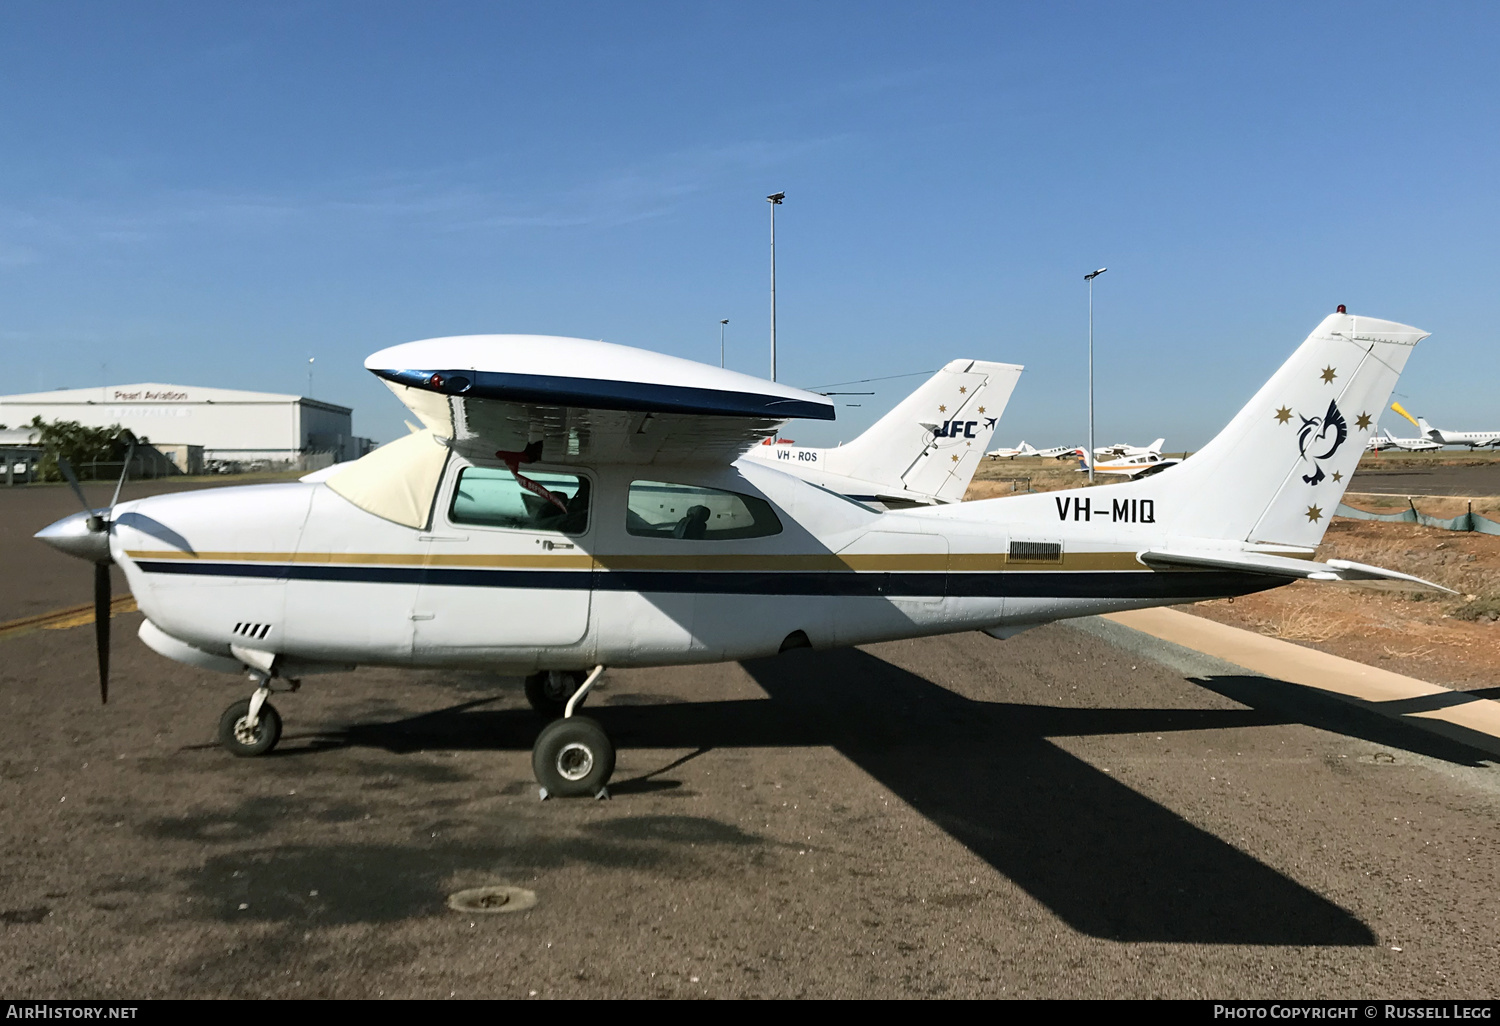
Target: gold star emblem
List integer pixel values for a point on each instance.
(962, 389)
(1363, 421)
(942, 409)
(1338, 475)
(1283, 415)
(954, 457)
(1314, 513)
(1328, 375)
(981, 409)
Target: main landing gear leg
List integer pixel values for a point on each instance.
(573, 756)
(548, 691)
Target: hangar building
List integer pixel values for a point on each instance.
(228, 425)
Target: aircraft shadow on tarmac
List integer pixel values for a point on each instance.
(1107, 860)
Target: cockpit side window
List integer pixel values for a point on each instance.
(660, 509)
(494, 497)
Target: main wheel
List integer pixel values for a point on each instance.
(549, 691)
(237, 737)
(573, 757)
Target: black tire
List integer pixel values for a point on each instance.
(549, 691)
(573, 758)
(239, 742)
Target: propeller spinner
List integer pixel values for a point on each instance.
(86, 536)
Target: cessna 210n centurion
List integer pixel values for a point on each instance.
(571, 505)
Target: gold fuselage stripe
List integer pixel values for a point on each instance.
(958, 562)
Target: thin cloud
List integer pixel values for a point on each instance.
(440, 199)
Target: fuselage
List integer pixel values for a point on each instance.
(299, 573)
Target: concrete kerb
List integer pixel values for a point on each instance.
(1202, 648)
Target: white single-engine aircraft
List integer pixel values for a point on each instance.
(1142, 464)
(1026, 449)
(1124, 450)
(921, 453)
(571, 505)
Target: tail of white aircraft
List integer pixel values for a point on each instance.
(1277, 472)
(1156, 445)
(1274, 476)
(1428, 431)
(932, 442)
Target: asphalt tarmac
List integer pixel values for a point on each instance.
(1483, 479)
(1079, 811)
(1053, 815)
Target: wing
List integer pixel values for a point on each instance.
(586, 401)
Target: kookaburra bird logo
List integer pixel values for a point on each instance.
(1320, 438)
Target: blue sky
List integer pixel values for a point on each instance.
(211, 193)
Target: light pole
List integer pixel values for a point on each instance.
(309, 375)
(775, 200)
(1090, 457)
(721, 341)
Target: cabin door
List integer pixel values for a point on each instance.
(505, 565)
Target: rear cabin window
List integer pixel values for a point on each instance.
(660, 509)
(492, 497)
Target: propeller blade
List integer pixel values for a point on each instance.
(101, 627)
(124, 472)
(72, 479)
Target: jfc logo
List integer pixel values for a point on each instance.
(956, 429)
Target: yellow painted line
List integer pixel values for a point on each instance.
(59, 619)
(1313, 669)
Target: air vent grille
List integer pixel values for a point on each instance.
(1036, 552)
(252, 630)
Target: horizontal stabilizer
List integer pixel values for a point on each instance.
(1286, 567)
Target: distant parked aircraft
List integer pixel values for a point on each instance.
(1026, 449)
(1124, 449)
(1382, 442)
(1141, 465)
(1473, 439)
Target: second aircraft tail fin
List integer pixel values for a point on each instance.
(934, 439)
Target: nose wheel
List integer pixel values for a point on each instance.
(250, 727)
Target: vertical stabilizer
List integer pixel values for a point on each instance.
(932, 442)
(1276, 474)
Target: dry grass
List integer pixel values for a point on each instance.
(1445, 638)
(1307, 621)
(1445, 506)
(1422, 460)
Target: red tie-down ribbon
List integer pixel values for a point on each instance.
(530, 454)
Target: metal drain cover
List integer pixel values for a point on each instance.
(492, 899)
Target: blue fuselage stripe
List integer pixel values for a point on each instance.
(1014, 583)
